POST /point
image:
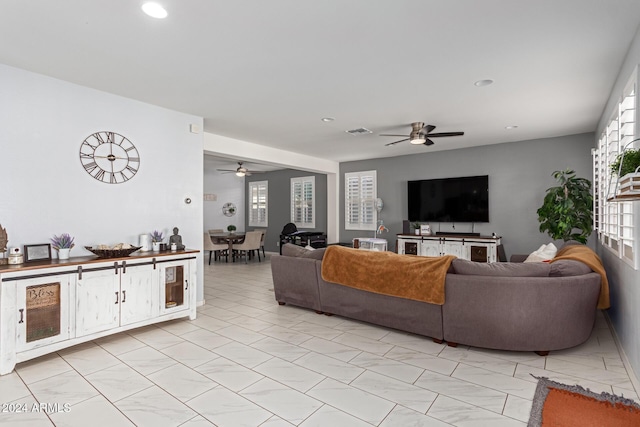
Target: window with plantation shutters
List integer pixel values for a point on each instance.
(303, 201)
(615, 220)
(258, 203)
(360, 200)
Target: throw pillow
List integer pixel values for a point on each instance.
(543, 253)
(500, 269)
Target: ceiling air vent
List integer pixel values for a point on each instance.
(359, 131)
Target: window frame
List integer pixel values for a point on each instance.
(261, 189)
(307, 206)
(363, 204)
(617, 223)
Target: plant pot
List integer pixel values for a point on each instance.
(63, 253)
(417, 231)
(155, 246)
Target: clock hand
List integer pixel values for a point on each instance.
(110, 157)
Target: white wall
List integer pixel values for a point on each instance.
(46, 191)
(228, 188)
(624, 280)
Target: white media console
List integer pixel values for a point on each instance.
(469, 247)
(49, 305)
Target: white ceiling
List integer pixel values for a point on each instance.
(268, 71)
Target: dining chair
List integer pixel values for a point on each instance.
(251, 243)
(262, 239)
(218, 249)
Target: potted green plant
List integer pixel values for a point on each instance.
(416, 227)
(156, 239)
(63, 244)
(567, 210)
(231, 228)
(626, 168)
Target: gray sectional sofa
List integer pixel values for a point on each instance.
(509, 306)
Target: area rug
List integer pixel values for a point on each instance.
(561, 405)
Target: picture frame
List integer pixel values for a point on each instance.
(38, 252)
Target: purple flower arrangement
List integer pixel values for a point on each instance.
(63, 241)
(156, 236)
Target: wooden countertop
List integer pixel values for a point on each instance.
(458, 236)
(90, 259)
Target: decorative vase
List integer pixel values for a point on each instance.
(63, 253)
(155, 246)
(143, 242)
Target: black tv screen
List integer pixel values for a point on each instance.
(464, 199)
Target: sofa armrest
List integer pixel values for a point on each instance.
(295, 281)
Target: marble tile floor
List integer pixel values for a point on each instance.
(246, 361)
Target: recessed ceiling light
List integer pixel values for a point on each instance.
(486, 82)
(154, 10)
(511, 127)
(327, 119)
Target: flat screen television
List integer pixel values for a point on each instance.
(463, 199)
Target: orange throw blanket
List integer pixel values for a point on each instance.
(412, 277)
(590, 258)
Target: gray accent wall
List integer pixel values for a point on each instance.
(519, 174)
(280, 203)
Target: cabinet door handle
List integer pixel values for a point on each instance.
(116, 297)
(124, 295)
(187, 287)
(115, 267)
(21, 315)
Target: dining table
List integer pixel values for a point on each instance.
(230, 238)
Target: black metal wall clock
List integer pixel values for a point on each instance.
(109, 157)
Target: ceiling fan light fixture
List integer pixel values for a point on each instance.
(485, 82)
(154, 10)
(240, 173)
(418, 140)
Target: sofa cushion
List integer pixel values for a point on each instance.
(543, 253)
(503, 269)
(314, 253)
(568, 267)
(289, 249)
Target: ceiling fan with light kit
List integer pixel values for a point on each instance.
(421, 134)
(240, 170)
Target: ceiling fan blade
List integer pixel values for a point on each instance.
(388, 134)
(395, 142)
(435, 135)
(429, 128)
(428, 142)
(226, 170)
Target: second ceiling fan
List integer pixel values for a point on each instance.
(421, 134)
(241, 170)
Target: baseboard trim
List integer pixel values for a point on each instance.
(623, 355)
(200, 303)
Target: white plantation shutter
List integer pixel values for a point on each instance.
(614, 221)
(303, 201)
(258, 203)
(360, 198)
